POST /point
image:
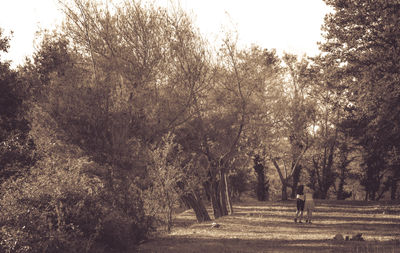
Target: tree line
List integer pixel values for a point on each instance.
(126, 110)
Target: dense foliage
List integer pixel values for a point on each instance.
(16, 148)
(126, 113)
(363, 36)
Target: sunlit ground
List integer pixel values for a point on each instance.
(269, 227)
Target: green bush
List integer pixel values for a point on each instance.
(60, 207)
(41, 211)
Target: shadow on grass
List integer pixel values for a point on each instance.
(323, 208)
(209, 245)
(269, 227)
(319, 215)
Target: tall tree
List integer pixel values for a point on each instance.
(328, 113)
(362, 36)
(136, 71)
(346, 156)
(250, 91)
(294, 125)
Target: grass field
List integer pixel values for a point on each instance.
(269, 227)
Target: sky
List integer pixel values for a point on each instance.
(292, 26)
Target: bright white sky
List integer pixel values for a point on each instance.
(286, 25)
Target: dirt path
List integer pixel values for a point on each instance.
(269, 227)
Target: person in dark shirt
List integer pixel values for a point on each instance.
(299, 203)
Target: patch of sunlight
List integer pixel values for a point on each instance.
(354, 221)
(357, 215)
(381, 238)
(264, 214)
(308, 244)
(356, 209)
(266, 207)
(253, 233)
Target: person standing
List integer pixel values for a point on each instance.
(299, 203)
(309, 204)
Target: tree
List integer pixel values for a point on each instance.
(62, 202)
(294, 122)
(346, 156)
(245, 89)
(262, 182)
(362, 37)
(218, 121)
(264, 107)
(165, 174)
(147, 67)
(328, 110)
(16, 148)
(300, 113)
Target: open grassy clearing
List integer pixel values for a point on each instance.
(269, 227)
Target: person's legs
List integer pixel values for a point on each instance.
(310, 215)
(298, 210)
(301, 209)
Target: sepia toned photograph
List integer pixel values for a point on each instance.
(191, 126)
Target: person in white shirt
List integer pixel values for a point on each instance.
(309, 204)
(300, 203)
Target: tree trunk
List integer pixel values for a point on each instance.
(393, 189)
(222, 192)
(340, 191)
(169, 219)
(372, 195)
(296, 179)
(284, 180)
(207, 188)
(284, 191)
(260, 189)
(197, 205)
(228, 195)
(215, 199)
(323, 193)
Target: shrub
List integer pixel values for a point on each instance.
(43, 211)
(60, 207)
(164, 173)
